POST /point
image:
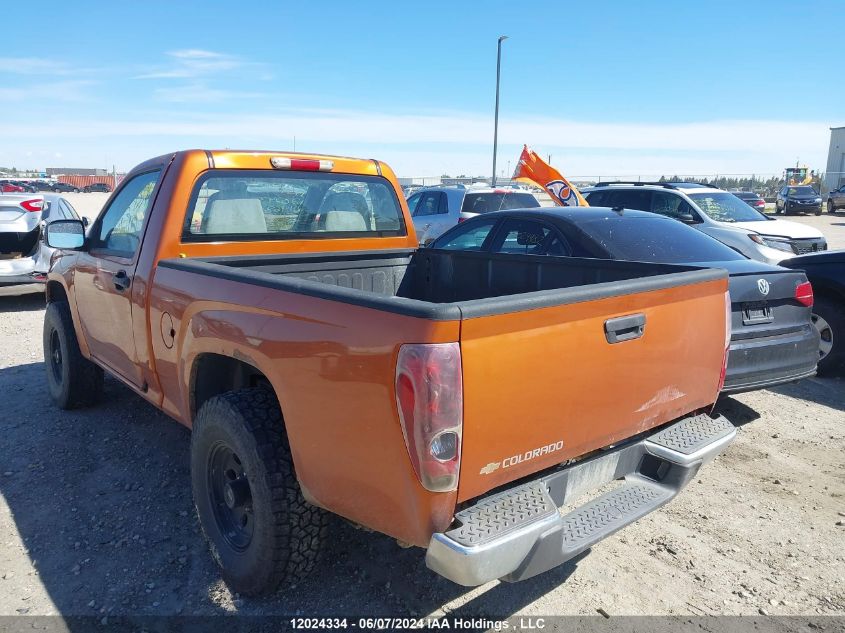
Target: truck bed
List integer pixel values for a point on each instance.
(447, 285)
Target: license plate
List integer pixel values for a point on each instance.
(754, 313)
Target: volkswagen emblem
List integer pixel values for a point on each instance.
(763, 286)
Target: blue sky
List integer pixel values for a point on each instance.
(607, 88)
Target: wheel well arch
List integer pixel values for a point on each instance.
(55, 291)
(213, 374)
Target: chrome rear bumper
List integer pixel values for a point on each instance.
(520, 532)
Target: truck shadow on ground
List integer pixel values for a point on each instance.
(736, 411)
(21, 303)
(829, 392)
(100, 501)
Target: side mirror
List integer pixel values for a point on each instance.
(69, 234)
(85, 221)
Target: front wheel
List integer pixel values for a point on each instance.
(72, 380)
(829, 319)
(259, 527)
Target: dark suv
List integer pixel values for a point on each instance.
(96, 186)
(63, 187)
(798, 199)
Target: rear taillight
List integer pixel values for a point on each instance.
(461, 220)
(759, 203)
(804, 294)
(429, 396)
(32, 205)
(724, 371)
(302, 164)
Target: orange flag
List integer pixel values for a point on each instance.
(532, 168)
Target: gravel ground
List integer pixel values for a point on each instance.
(96, 517)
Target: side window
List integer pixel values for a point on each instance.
(67, 211)
(527, 237)
(429, 203)
(71, 211)
(412, 203)
(121, 224)
(672, 206)
(630, 199)
(443, 207)
(596, 198)
(471, 236)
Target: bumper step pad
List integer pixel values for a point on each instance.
(496, 516)
(600, 518)
(693, 434)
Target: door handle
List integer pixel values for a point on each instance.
(121, 280)
(625, 328)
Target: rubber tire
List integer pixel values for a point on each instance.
(82, 381)
(289, 532)
(830, 208)
(833, 312)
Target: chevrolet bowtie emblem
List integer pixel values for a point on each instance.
(489, 468)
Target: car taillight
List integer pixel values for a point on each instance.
(32, 205)
(460, 219)
(302, 164)
(804, 294)
(724, 371)
(429, 396)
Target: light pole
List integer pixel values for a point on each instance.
(502, 38)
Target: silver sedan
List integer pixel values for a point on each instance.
(24, 257)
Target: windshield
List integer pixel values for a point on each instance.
(659, 240)
(272, 205)
(725, 207)
(498, 201)
(801, 191)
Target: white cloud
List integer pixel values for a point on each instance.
(458, 142)
(34, 66)
(49, 91)
(194, 63)
(199, 93)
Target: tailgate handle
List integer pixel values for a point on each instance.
(625, 328)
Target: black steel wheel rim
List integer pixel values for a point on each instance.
(230, 496)
(56, 356)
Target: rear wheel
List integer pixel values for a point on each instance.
(72, 380)
(830, 207)
(829, 319)
(259, 527)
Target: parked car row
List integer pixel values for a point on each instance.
(33, 186)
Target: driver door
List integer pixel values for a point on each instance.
(104, 273)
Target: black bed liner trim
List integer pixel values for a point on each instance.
(234, 268)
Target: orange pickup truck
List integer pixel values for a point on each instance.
(278, 305)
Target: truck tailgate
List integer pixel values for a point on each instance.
(546, 385)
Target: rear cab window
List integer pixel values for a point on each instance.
(497, 201)
(243, 205)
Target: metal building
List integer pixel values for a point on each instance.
(835, 172)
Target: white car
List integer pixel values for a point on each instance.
(434, 210)
(717, 213)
